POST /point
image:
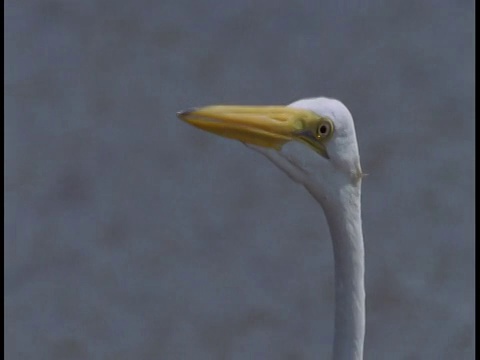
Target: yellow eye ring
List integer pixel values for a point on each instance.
(324, 130)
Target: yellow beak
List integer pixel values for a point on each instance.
(267, 126)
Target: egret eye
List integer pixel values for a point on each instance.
(323, 130)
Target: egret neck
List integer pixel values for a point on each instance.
(343, 214)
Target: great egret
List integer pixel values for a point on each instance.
(314, 142)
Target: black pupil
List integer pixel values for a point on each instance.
(323, 129)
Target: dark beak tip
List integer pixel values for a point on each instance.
(181, 114)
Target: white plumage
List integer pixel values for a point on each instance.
(314, 142)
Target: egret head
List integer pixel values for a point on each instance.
(312, 140)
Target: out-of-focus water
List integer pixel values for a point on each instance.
(130, 235)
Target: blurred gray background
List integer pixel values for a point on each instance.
(130, 235)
